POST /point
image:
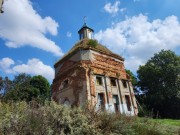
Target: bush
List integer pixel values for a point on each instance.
(32, 118)
(53, 119)
(92, 43)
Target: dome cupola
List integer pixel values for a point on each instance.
(85, 32)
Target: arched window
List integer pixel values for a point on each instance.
(65, 83)
(66, 102)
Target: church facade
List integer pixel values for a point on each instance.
(91, 73)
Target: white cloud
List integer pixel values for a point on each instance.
(137, 39)
(21, 25)
(33, 67)
(112, 8)
(5, 65)
(69, 34)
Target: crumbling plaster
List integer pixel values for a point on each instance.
(81, 69)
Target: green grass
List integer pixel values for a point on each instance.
(168, 122)
(161, 126)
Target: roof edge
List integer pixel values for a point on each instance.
(67, 55)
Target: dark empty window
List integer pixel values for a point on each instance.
(99, 80)
(65, 83)
(124, 83)
(128, 102)
(113, 82)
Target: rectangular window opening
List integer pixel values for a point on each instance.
(99, 80)
(124, 82)
(128, 102)
(113, 82)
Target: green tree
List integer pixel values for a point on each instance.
(42, 85)
(22, 93)
(25, 87)
(5, 85)
(160, 79)
(133, 80)
(133, 77)
(22, 79)
(21, 89)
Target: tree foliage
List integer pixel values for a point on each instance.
(133, 77)
(160, 79)
(5, 85)
(41, 83)
(133, 80)
(25, 87)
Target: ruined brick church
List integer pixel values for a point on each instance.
(91, 73)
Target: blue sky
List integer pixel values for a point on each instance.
(34, 34)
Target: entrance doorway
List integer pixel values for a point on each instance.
(101, 101)
(116, 103)
(128, 102)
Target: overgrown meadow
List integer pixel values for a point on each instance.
(32, 118)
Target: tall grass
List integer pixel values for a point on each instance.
(51, 119)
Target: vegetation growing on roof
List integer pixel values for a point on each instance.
(86, 44)
(92, 43)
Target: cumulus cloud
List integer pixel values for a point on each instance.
(5, 65)
(21, 25)
(137, 39)
(112, 8)
(33, 67)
